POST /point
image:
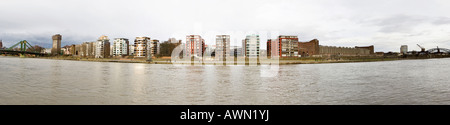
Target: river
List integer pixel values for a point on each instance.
(43, 81)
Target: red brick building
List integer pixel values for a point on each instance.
(273, 43)
(308, 48)
(286, 46)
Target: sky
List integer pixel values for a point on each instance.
(386, 24)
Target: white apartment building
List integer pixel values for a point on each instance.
(236, 50)
(131, 49)
(120, 47)
(222, 47)
(251, 46)
(153, 47)
(103, 47)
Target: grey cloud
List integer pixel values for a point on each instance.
(442, 21)
(327, 20)
(42, 39)
(10, 39)
(399, 23)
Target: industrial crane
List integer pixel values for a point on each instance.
(422, 48)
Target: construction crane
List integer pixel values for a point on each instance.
(422, 48)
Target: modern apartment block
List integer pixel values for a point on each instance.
(288, 46)
(103, 47)
(195, 46)
(140, 46)
(88, 49)
(111, 49)
(222, 47)
(236, 51)
(56, 49)
(131, 49)
(120, 47)
(153, 47)
(251, 46)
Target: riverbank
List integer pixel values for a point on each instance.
(282, 61)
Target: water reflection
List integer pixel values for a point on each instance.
(40, 81)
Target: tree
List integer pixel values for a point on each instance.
(167, 48)
(36, 48)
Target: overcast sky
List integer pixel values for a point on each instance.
(387, 24)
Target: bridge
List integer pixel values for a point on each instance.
(24, 45)
(439, 50)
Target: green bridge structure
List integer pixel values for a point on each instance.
(24, 45)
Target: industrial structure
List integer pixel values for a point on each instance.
(313, 48)
(423, 51)
(310, 48)
(370, 48)
(289, 46)
(345, 51)
(438, 50)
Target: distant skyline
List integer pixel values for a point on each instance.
(386, 24)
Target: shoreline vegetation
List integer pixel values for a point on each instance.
(282, 61)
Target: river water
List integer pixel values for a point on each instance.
(43, 81)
